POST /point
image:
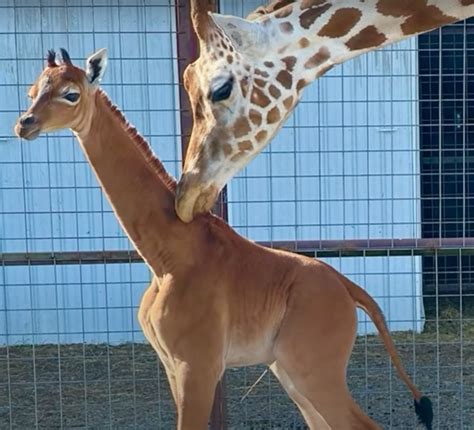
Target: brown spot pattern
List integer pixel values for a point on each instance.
(286, 27)
(274, 91)
(429, 18)
(245, 145)
(301, 84)
(255, 117)
(467, 2)
(284, 12)
(236, 157)
(230, 59)
(261, 136)
(273, 115)
(341, 22)
(369, 37)
(285, 79)
(306, 4)
(259, 98)
(420, 16)
(241, 127)
(325, 69)
(279, 4)
(400, 8)
(288, 102)
(214, 147)
(283, 48)
(260, 82)
(304, 42)
(308, 17)
(262, 73)
(268, 64)
(227, 149)
(317, 59)
(290, 62)
(244, 86)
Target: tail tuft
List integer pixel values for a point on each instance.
(424, 410)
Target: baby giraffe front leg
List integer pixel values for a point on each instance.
(196, 384)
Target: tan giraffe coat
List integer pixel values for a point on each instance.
(217, 300)
(251, 73)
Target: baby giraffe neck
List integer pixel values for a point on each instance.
(138, 188)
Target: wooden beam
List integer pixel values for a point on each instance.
(188, 47)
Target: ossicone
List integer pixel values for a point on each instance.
(65, 56)
(51, 58)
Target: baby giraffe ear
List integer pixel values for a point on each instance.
(246, 36)
(95, 66)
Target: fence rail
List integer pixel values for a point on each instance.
(310, 248)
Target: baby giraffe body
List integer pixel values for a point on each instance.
(217, 300)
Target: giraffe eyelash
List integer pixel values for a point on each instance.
(223, 92)
(70, 97)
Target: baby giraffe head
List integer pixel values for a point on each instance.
(241, 89)
(62, 96)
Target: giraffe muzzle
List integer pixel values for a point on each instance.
(193, 198)
(27, 127)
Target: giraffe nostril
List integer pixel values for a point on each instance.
(27, 120)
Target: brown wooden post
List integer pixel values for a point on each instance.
(188, 47)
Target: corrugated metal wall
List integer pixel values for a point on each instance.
(345, 166)
(49, 197)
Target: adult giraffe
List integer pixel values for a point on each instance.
(217, 300)
(251, 73)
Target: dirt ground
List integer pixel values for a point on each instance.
(124, 387)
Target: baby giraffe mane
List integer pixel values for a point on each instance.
(141, 144)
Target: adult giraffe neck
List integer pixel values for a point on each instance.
(328, 32)
(135, 182)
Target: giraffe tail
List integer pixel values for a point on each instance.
(423, 405)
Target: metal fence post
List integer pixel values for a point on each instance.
(188, 47)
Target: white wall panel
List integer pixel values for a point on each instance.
(49, 197)
(333, 171)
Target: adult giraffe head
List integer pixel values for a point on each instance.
(251, 72)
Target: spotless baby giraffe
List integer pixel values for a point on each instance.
(251, 73)
(216, 300)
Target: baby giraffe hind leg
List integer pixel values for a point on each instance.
(312, 351)
(323, 399)
(311, 416)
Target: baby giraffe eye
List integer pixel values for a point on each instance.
(223, 92)
(71, 97)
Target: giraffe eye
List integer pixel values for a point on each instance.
(71, 97)
(223, 92)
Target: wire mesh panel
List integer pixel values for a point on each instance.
(379, 149)
(72, 353)
(345, 166)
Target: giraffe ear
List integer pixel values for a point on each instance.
(245, 35)
(95, 66)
